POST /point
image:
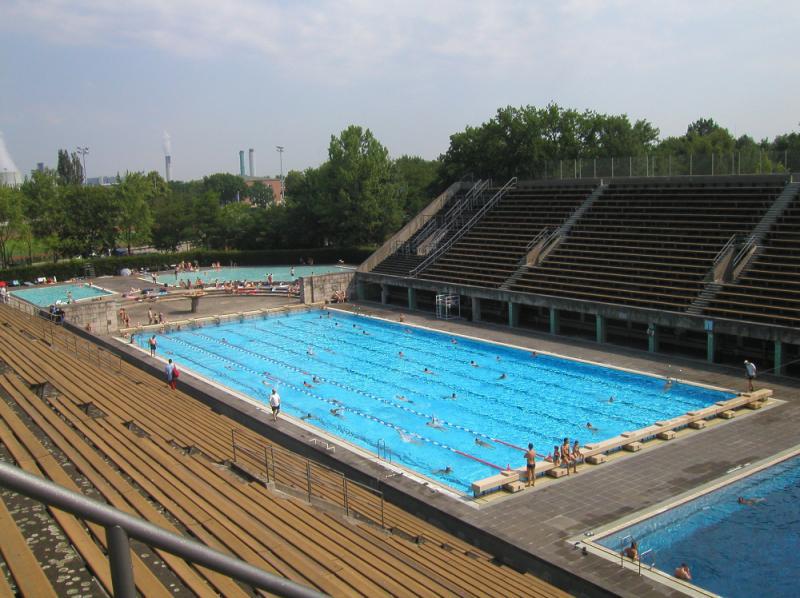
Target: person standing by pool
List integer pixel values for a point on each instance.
(530, 458)
(275, 404)
(171, 371)
(153, 344)
(750, 371)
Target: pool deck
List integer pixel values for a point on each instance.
(530, 529)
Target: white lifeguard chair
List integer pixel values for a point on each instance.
(448, 307)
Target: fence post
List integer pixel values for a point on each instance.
(346, 499)
(119, 558)
(308, 478)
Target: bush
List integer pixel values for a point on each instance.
(112, 265)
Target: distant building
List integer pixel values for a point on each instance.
(275, 184)
(10, 175)
(101, 181)
(40, 167)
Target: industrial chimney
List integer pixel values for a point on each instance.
(252, 156)
(168, 167)
(241, 162)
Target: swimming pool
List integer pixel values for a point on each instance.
(732, 549)
(368, 394)
(45, 296)
(254, 273)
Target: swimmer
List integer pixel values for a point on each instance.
(453, 341)
(611, 399)
(667, 385)
(452, 397)
(336, 411)
(402, 398)
(502, 377)
(400, 354)
(315, 380)
(408, 331)
(435, 423)
(749, 501)
(411, 439)
(224, 340)
(443, 471)
(307, 385)
(365, 333)
(307, 416)
(480, 442)
(533, 354)
(427, 371)
(474, 364)
(310, 351)
(497, 358)
(591, 428)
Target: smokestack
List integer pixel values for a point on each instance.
(167, 157)
(252, 156)
(241, 162)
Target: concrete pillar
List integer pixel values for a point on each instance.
(360, 293)
(476, 309)
(710, 346)
(600, 327)
(384, 293)
(653, 337)
(412, 298)
(778, 360)
(553, 321)
(513, 314)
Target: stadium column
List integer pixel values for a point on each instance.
(553, 321)
(513, 314)
(412, 298)
(384, 293)
(710, 349)
(600, 326)
(652, 337)
(476, 309)
(778, 360)
(360, 290)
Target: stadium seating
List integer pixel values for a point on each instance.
(490, 251)
(769, 289)
(649, 244)
(69, 411)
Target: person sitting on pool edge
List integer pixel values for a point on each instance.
(632, 551)
(683, 572)
(566, 456)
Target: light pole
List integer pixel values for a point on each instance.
(280, 153)
(82, 151)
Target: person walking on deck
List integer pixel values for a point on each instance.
(171, 372)
(750, 370)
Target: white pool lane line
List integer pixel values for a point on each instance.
(734, 474)
(529, 349)
(433, 485)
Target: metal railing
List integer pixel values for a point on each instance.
(748, 245)
(728, 244)
(120, 527)
(477, 216)
(281, 467)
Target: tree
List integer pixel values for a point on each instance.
(416, 179)
(91, 220)
(70, 170)
(226, 187)
(260, 195)
(133, 195)
(11, 201)
(44, 209)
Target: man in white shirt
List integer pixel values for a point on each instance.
(750, 369)
(275, 403)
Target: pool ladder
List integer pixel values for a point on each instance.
(624, 541)
(384, 452)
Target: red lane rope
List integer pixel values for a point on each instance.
(478, 459)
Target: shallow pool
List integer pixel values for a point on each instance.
(45, 296)
(367, 393)
(253, 273)
(732, 549)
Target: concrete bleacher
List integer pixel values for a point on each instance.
(491, 250)
(650, 244)
(68, 411)
(768, 290)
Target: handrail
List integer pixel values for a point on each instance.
(728, 244)
(121, 526)
(536, 239)
(477, 216)
(749, 243)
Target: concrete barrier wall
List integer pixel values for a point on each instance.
(100, 314)
(322, 287)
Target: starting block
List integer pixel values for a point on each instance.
(698, 425)
(755, 405)
(666, 435)
(597, 459)
(557, 472)
(729, 414)
(514, 487)
(633, 447)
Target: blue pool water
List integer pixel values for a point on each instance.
(732, 549)
(46, 296)
(356, 359)
(253, 273)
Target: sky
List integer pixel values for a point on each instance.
(220, 76)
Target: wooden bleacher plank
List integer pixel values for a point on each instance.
(24, 568)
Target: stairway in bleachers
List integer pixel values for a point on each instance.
(768, 291)
(488, 253)
(650, 244)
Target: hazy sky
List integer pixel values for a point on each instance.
(225, 75)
